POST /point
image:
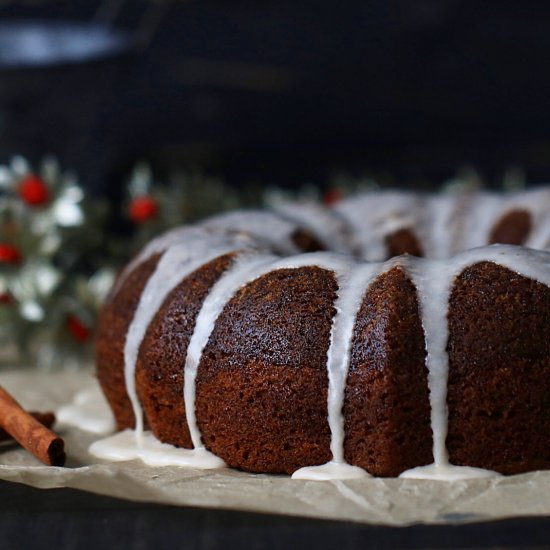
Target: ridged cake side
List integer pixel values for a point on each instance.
(114, 320)
(499, 371)
(387, 407)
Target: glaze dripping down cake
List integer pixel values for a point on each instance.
(395, 334)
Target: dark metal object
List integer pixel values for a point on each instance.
(59, 84)
(34, 44)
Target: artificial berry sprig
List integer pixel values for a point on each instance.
(78, 329)
(332, 196)
(143, 209)
(34, 191)
(51, 234)
(10, 254)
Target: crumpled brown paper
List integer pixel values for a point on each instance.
(375, 500)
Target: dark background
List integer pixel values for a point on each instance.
(285, 92)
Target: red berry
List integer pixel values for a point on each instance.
(34, 191)
(332, 196)
(6, 299)
(143, 209)
(9, 254)
(80, 332)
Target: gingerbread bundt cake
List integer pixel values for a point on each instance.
(431, 358)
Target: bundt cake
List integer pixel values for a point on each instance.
(264, 341)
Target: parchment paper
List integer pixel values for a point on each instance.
(375, 501)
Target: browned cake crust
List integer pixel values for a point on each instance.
(306, 241)
(114, 319)
(403, 241)
(386, 407)
(499, 374)
(512, 228)
(159, 369)
(262, 384)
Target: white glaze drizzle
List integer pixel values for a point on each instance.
(374, 216)
(440, 214)
(483, 211)
(268, 226)
(540, 238)
(432, 288)
(321, 222)
(157, 246)
(88, 411)
(353, 282)
(122, 446)
(537, 203)
(352, 288)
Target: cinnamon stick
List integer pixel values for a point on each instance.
(29, 432)
(46, 419)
